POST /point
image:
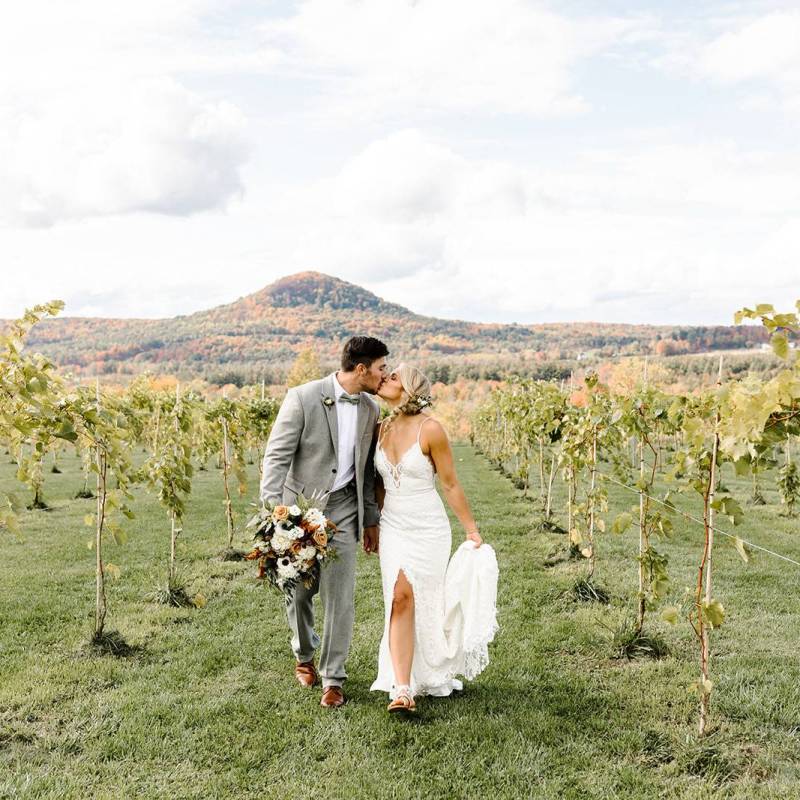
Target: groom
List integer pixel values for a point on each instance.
(322, 441)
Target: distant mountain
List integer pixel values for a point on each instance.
(261, 334)
(304, 290)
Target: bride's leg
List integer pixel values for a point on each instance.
(401, 630)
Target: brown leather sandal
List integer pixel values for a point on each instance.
(404, 702)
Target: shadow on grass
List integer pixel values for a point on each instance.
(231, 554)
(714, 757)
(112, 643)
(549, 525)
(553, 710)
(585, 590)
(561, 555)
(549, 705)
(629, 643)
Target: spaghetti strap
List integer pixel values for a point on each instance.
(419, 430)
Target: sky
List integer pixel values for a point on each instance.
(509, 161)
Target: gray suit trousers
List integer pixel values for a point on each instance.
(336, 586)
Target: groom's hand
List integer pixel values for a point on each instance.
(371, 536)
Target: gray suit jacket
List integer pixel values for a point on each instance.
(301, 454)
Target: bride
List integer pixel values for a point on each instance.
(439, 617)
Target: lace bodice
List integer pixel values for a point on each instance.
(413, 473)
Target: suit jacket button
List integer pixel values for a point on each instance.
(333, 470)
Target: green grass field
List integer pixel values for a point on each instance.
(207, 707)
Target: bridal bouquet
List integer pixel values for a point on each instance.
(291, 544)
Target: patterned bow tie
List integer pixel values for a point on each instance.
(349, 398)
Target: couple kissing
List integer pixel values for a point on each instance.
(377, 482)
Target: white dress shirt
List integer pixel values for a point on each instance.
(347, 422)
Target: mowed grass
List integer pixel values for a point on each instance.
(207, 706)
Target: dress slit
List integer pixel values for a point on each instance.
(402, 571)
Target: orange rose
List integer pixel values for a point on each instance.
(280, 513)
(296, 547)
(321, 537)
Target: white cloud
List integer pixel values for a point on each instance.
(390, 57)
(655, 233)
(492, 161)
(767, 47)
(50, 47)
(92, 122)
(403, 178)
(110, 149)
(454, 236)
(757, 55)
(407, 177)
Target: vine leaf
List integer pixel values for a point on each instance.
(713, 613)
(730, 508)
(742, 549)
(780, 344)
(622, 523)
(670, 615)
(702, 686)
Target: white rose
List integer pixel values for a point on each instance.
(295, 510)
(314, 517)
(296, 532)
(281, 540)
(307, 553)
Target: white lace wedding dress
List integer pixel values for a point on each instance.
(455, 604)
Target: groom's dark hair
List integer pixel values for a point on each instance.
(362, 350)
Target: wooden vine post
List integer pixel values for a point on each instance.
(642, 525)
(705, 571)
(592, 503)
(100, 580)
(225, 472)
(175, 528)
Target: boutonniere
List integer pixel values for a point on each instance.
(329, 401)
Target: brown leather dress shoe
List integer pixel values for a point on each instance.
(306, 674)
(332, 697)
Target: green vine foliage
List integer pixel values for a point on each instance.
(227, 434)
(645, 418)
(789, 486)
(741, 424)
(31, 417)
(234, 430)
(99, 424)
(519, 429)
(258, 416)
(169, 471)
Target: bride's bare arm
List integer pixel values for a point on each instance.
(440, 453)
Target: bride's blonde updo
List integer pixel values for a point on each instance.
(416, 396)
(416, 389)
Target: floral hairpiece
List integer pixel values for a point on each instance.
(415, 403)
